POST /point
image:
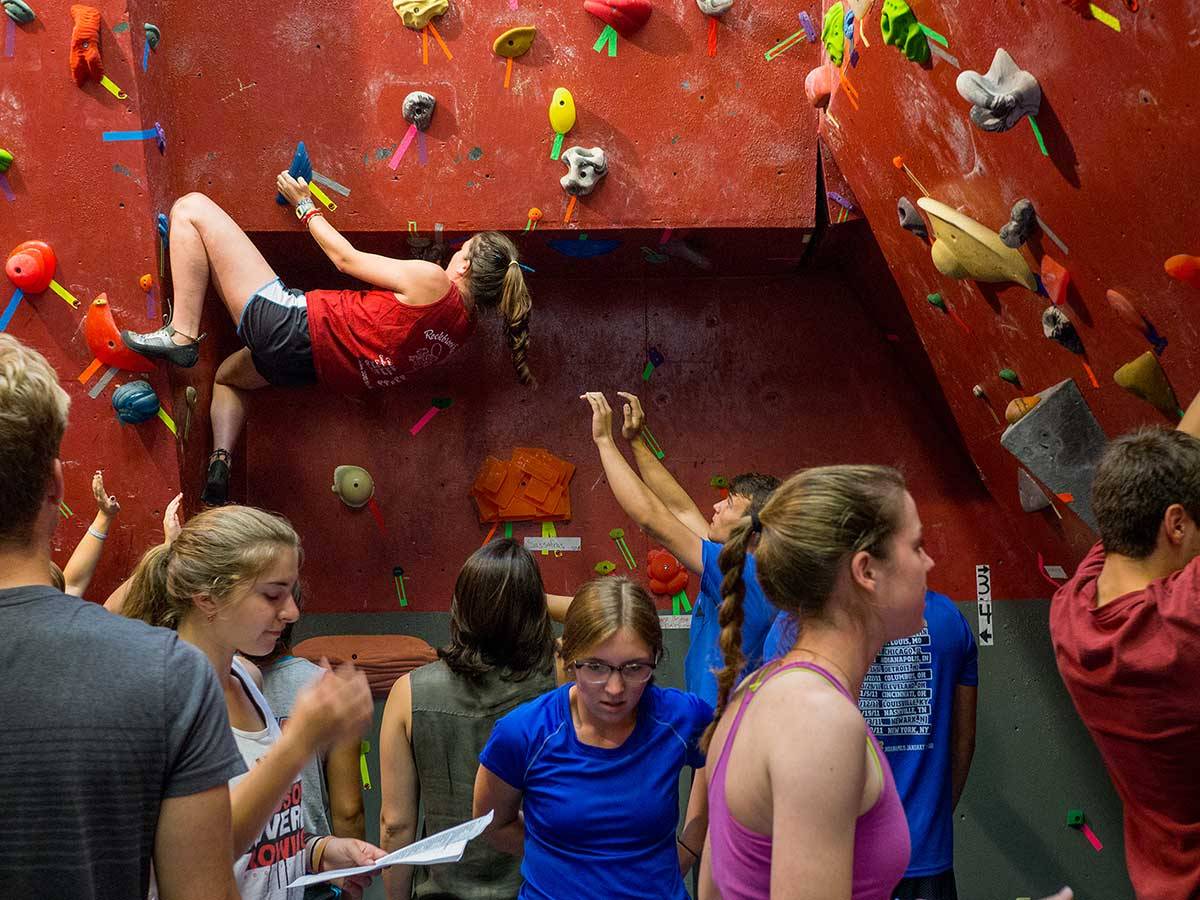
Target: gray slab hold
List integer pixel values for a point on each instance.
(1060, 442)
(587, 166)
(1002, 95)
(1032, 497)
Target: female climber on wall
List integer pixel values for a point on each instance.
(352, 341)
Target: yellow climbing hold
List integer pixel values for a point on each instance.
(562, 111)
(965, 249)
(515, 42)
(1146, 380)
(416, 14)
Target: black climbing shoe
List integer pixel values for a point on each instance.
(158, 345)
(216, 483)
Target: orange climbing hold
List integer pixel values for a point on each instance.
(1055, 279)
(1184, 268)
(104, 339)
(533, 484)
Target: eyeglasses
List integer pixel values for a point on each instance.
(591, 672)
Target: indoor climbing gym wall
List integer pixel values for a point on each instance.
(936, 235)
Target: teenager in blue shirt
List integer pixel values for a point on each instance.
(664, 511)
(584, 780)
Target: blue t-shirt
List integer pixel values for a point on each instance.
(602, 818)
(908, 700)
(704, 657)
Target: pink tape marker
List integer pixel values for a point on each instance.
(403, 148)
(439, 403)
(422, 151)
(1091, 836)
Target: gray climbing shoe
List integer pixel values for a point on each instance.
(158, 345)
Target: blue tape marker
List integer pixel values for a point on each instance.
(143, 135)
(11, 309)
(145, 56)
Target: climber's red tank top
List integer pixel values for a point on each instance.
(364, 340)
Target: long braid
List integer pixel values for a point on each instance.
(731, 618)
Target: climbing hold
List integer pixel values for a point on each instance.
(1032, 497)
(667, 574)
(936, 300)
(848, 26)
(562, 111)
(979, 392)
(714, 7)
(626, 16)
(1020, 224)
(146, 282)
(153, 35)
(6, 160)
(418, 109)
(963, 248)
(1055, 279)
(587, 167)
(300, 168)
(19, 11)
(84, 58)
(1060, 442)
(1010, 376)
(1019, 407)
(899, 26)
(135, 402)
(1146, 380)
(353, 485)
(104, 339)
(819, 85)
(514, 42)
(1135, 319)
(605, 567)
(415, 14)
(31, 266)
(1184, 268)
(910, 219)
(1002, 96)
(832, 36)
(1057, 327)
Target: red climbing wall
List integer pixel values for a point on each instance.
(1116, 188)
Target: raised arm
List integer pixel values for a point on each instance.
(637, 500)
(82, 566)
(415, 279)
(399, 785)
(655, 474)
(171, 528)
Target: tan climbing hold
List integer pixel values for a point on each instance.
(515, 42)
(1145, 379)
(963, 248)
(1019, 407)
(416, 14)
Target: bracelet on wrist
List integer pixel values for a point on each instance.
(96, 534)
(310, 215)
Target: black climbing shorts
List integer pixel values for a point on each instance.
(274, 326)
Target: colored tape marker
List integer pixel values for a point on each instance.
(322, 196)
(65, 294)
(11, 309)
(168, 421)
(1105, 17)
(99, 386)
(10, 37)
(144, 135)
(403, 148)
(331, 184)
(108, 84)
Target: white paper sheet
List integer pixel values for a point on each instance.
(444, 847)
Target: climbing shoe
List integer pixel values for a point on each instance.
(216, 481)
(158, 345)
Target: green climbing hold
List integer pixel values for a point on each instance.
(833, 34)
(153, 35)
(605, 567)
(6, 160)
(442, 402)
(936, 300)
(1075, 817)
(718, 481)
(19, 11)
(617, 533)
(900, 28)
(1010, 376)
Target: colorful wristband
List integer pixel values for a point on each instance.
(96, 534)
(309, 215)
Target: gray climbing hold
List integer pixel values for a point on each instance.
(586, 167)
(1060, 442)
(19, 11)
(1032, 497)
(418, 109)
(714, 7)
(1020, 225)
(1057, 327)
(1002, 96)
(153, 35)
(910, 218)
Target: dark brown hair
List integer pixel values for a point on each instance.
(1139, 476)
(755, 487)
(498, 615)
(495, 281)
(811, 526)
(601, 608)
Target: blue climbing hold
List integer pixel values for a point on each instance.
(301, 167)
(135, 402)
(583, 249)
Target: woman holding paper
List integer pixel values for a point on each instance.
(594, 766)
(438, 717)
(226, 585)
(415, 315)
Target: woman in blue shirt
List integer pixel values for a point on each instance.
(594, 765)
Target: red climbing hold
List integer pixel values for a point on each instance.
(31, 266)
(104, 340)
(667, 574)
(1055, 279)
(626, 16)
(1184, 268)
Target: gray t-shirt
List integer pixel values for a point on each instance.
(101, 717)
(282, 680)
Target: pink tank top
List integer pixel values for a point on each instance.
(741, 858)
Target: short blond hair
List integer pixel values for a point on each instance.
(33, 417)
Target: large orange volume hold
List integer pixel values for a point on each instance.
(626, 16)
(104, 339)
(31, 266)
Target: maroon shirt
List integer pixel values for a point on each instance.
(1132, 668)
(366, 340)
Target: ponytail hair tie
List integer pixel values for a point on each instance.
(755, 523)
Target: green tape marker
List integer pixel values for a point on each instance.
(363, 749)
(934, 36)
(1037, 133)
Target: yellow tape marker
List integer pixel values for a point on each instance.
(322, 196)
(108, 85)
(168, 421)
(1104, 16)
(64, 293)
